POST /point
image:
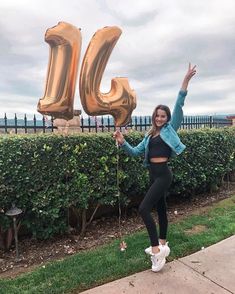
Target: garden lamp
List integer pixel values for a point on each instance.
(14, 212)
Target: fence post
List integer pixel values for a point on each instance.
(25, 124)
(52, 124)
(108, 124)
(145, 123)
(136, 120)
(182, 124)
(89, 123)
(15, 123)
(210, 121)
(96, 124)
(34, 124)
(5, 121)
(43, 124)
(82, 124)
(102, 123)
(140, 123)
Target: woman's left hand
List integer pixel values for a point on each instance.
(190, 73)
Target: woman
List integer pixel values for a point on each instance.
(160, 143)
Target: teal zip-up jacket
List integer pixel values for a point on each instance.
(167, 133)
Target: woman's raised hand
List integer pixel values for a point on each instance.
(190, 73)
(119, 137)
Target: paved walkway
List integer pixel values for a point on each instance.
(208, 271)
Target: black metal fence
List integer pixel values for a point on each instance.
(23, 125)
(101, 124)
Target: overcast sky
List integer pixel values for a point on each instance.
(158, 40)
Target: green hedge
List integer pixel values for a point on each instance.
(46, 174)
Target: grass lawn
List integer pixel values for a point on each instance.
(95, 267)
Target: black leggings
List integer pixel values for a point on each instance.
(160, 179)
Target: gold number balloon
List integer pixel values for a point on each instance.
(121, 99)
(65, 47)
(65, 42)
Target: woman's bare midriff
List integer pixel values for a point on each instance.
(159, 159)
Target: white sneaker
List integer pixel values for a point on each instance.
(148, 250)
(158, 260)
(166, 249)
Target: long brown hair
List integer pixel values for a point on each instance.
(153, 129)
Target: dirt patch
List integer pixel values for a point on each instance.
(196, 230)
(35, 253)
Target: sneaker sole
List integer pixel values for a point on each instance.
(157, 269)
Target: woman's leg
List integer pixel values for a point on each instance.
(154, 194)
(162, 219)
(161, 177)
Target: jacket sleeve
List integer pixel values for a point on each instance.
(177, 115)
(134, 151)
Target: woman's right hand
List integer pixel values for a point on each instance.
(119, 137)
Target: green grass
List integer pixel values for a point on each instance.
(91, 268)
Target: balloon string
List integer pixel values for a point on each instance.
(118, 192)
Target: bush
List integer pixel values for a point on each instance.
(209, 156)
(45, 175)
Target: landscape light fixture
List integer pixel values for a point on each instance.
(13, 213)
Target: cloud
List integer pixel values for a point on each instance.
(158, 40)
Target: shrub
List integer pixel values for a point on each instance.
(45, 175)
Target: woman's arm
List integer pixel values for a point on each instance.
(177, 115)
(134, 151)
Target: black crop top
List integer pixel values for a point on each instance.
(158, 148)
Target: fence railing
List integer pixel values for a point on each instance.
(101, 124)
(16, 125)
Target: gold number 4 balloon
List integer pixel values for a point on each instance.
(65, 48)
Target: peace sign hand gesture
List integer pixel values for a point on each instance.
(190, 73)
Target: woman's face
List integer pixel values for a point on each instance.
(160, 118)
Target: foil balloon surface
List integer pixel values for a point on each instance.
(65, 48)
(120, 101)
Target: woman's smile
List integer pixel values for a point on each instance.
(161, 117)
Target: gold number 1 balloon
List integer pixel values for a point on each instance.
(65, 47)
(65, 42)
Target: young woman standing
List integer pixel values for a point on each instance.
(160, 143)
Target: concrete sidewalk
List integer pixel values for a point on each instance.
(208, 271)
